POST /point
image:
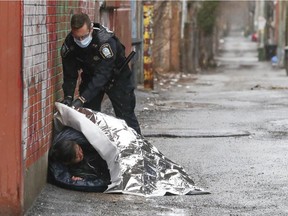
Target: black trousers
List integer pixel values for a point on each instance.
(123, 102)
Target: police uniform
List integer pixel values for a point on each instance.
(99, 63)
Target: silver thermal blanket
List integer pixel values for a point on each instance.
(135, 165)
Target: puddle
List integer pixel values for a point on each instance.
(174, 211)
(179, 212)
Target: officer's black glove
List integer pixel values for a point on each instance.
(78, 102)
(67, 100)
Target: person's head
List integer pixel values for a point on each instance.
(67, 152)
(81, 28)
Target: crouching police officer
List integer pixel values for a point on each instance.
(100, 54)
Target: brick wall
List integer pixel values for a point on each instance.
(45, 26)
(36, 82)
(46, 23)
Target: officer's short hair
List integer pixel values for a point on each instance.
(78, 21)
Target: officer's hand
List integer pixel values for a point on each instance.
(77, 103)
(67, 100)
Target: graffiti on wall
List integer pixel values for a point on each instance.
(45, 26)
(35, 81)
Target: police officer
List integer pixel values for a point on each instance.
(99, 53)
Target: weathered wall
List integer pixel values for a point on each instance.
(45, 25)
(121, 24)
(11, 186)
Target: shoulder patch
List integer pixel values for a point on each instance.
(64, 50)
(106, 51)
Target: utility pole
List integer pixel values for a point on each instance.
(148, 10)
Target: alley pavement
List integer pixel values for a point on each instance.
(226, 126)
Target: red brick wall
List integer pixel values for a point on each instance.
(46, 23)
(37, 113)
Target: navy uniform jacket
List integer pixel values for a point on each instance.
(98, 61)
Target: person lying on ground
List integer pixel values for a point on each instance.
(135, 165)
(82, 160)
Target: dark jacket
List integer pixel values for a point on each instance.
(98, 61)
(93, 168)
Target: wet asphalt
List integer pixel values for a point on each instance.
(226, 126)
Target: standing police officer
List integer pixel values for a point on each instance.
(99, 53)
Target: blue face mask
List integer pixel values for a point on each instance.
(83, 43)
